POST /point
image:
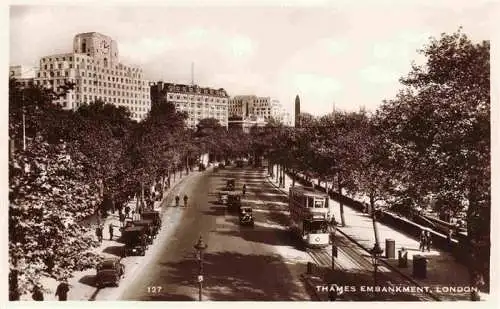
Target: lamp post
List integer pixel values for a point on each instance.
(200, 247)
(376, 251)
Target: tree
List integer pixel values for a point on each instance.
(441, 124)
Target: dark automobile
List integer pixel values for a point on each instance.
(234, 201)
(230, 184)
(109, 272)
(154, 216)
(239, 163)
(135, 240)
(246, 216)
(148, 228)
(221, 165)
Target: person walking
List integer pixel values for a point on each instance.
(422, 240)
(122, 219)
(177, 198)
(428, 241)
(62, 290)
(185, 200)
(244, 189)
(127, 210)
(98, 232)
(37, 293)
(111, 231)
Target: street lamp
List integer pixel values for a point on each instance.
(376, 251)
(200, 247)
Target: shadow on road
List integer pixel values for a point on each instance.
(114, 250)
(236, 276)
(269, 236)
(88, 280)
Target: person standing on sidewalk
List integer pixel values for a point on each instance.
(111, 231)
(127, 210)
(98, 232)
(122, 219)
(37, 293)
(428, 241)
(422, 241)
(62, 290)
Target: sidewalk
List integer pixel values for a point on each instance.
(445, 277)
(82, 283)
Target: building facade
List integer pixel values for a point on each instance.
(245, 124)
(94, 68)
(24, 75)
(245, 106)
(198, 102)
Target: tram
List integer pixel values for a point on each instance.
(309, 216)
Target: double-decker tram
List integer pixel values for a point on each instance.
(309, 216)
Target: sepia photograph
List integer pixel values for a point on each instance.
(221, 151)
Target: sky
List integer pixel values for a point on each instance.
(344, 53)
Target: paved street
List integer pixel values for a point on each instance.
(245, 263)
(241, 263)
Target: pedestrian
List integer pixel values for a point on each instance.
(449, 238)
(49, 262)
(244, 189)
(422, 240)
(111, 231)
(185, 200)
(122, 219)
(177, 198)
(98, 232)
(62, 290)
(37, 293)
(428, 241)
(127, 210)
(281, 180)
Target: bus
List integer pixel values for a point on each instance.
(309, 216)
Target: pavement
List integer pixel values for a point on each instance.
(82, 286)
(446, 278)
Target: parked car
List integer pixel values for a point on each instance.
(153, 216)
(135, 240)
(221, 165)
(223, 197)
(109, 272)
(148, 228)
(239, 163)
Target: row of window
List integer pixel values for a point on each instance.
(89, 60)
(91, 74)
(179, 97)
(199, 106)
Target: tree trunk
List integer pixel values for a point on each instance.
(293, 178)
(374, 219)
(187, 165)
(342, 217)
(283, 176)
(277, 173)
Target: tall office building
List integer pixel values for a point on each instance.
(297, 111)
(93, 66)
(198, 102)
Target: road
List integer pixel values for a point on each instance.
(245, 263)
(241, 263)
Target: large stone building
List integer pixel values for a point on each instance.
(261, 107)
(93, 66)
(198, 102)
(24, 75)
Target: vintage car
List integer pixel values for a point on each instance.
(239, 163)
(223, 197)
(109, 272)
(153, 216)
(221, 165)
(148, 228)
(135, 240)
(233, 201)
(246, 216)
(230, 184)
